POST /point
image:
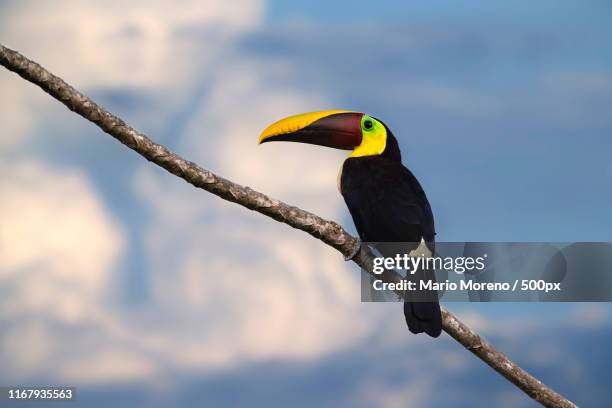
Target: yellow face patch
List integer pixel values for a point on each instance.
(296, 122)
(374, 138)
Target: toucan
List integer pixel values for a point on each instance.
(384, 198)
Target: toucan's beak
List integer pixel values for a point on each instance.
(333, 128)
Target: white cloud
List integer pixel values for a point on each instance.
(118, 43)
(211, 306)
(58, 246)
(160, 46)
(109, 366)
(590, 315)
(378, 393)
(59, 242)
(13, 111)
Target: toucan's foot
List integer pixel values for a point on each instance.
(355, 251)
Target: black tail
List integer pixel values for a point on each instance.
(423, 317)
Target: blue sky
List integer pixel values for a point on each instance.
(128, 283)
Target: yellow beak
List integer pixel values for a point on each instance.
(332, 128)
(294, 123)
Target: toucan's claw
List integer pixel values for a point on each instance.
(355, 251)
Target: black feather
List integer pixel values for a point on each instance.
(388, 204)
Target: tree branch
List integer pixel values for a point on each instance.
(327, 231)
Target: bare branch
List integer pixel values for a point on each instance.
(327, 231)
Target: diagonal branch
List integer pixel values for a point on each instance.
(327, 231)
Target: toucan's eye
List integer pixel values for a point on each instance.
(368, 123)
